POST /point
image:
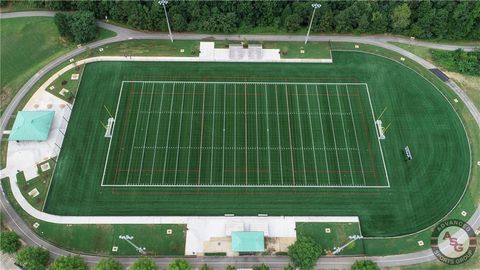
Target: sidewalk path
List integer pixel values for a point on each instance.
(13, 220)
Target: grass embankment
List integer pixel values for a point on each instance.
(100, 239)
(469, 83)
(40, 183)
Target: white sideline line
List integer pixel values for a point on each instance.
(248, 148)
(190, 141)
(334, 138)
(168, 137)
(242, 113)
(345, 135)
(379, 143)
(249, 186)
(135, 133)
(113, 130)
(311, 135)
(301, 136)
(356, 138)
(179, 134)
(145, 138)
(268, 138)
(323, 137)
(156, 137)
(239, 82)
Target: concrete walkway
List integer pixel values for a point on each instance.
(13, 220)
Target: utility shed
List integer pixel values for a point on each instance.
(31, 126)
(248, 242)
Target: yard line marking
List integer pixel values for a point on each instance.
(323, 135)
(190, 142)
(179, 133)
(241, 112)
(356, 138)
(278, 129)
(134, 134)
(345, 136)
(145, 138)
(201, 137)
(168, 136)
(235, 134)
(213, 133)
(246, 141)
(156, 136)
(256, 134)
(311, 135)
(301, 136)
(268, 138)
(334, 139)
(223, 143)
(290, 134)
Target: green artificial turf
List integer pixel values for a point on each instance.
(422, 191)
(244, 134)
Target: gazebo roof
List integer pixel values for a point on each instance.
(31, 126)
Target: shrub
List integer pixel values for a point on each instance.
(9, 242)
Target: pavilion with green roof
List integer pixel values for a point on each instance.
(31, 126)
(248, 242)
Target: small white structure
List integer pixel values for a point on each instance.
(237, 53)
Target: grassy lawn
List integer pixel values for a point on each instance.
(99, 239)
(40, 182)
(151, 48)
(28, 44)
(338, 236)
(65, 82)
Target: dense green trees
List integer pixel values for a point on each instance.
(365, 265)
(69, 263)
(9, 242)
(180, 264)
(109, 264)
(144, 264)
(458, 61)
(304, 253)
(423, 19)
(33, 258)
(79, 27)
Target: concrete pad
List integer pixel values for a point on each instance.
(74, 76)
(33, 193)
(30, 172)
(63, 91)
(45, 167)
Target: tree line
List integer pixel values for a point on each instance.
(453, 20)
(304, 254)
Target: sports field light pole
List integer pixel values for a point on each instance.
(164, 4)
(352, 238)
(315, 6)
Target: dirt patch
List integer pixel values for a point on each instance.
(5, 97)
(470, 84)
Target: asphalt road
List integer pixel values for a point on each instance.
(13, 220)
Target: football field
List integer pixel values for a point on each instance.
(231, 134)
(267, 138)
